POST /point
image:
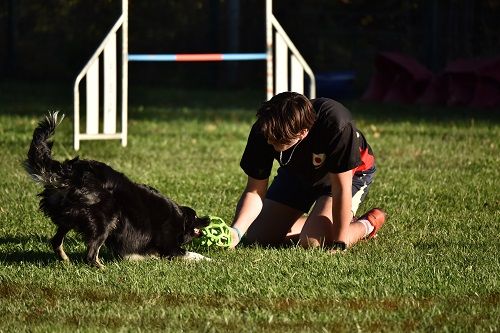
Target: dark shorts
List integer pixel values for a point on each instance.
(291, 191)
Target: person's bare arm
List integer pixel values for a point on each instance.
(342, 205)
(249, 206)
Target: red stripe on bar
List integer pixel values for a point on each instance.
(199, 57)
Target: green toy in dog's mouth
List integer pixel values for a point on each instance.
(217, 233)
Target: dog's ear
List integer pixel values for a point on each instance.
(191, 220)
(202, 222)
(192, 224)
(188, 214)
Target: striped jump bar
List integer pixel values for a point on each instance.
(198, 57)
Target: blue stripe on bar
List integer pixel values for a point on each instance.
(174, 57)
(244, 56)
(151, 57)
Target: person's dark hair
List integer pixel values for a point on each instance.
(282, 117)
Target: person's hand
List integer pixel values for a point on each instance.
(338, 252)
(235, 238)
(338, 247)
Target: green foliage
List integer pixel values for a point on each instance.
(434, 266)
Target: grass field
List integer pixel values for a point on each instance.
(434, 267)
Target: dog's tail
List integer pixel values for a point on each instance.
(39, 164)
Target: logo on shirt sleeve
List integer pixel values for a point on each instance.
(318, 160)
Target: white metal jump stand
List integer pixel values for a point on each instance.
(279, 52)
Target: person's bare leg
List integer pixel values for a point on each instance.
(293, 234)
(318, 228)
(273, 224)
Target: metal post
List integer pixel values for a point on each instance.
(124, 72)
(269, 50)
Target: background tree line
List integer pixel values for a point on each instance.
(51, 40)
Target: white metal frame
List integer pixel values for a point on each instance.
(277, 77)
(91, 74)
(285, 51)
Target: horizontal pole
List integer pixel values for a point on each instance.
(198, 57)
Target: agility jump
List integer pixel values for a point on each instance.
(280, 51)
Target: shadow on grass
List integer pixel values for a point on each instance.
(167, 104)
(33, 99)
(41, 257)
(31, 256)
(17, 256)
(47, 258)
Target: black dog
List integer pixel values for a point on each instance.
(105, 207)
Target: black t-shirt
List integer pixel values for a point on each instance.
(332, 145)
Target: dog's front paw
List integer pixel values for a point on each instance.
(193, 256)
(96, 263)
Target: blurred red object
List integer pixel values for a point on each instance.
(398, 78)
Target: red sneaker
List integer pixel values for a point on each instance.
(376, 217)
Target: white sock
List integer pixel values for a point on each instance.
(368, 226)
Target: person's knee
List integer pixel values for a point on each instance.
(309, 242)
(316, 232)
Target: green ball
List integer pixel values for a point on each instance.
(217, 233)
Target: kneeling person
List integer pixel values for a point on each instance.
(324, 161)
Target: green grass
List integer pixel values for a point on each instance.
(434, 267)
